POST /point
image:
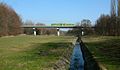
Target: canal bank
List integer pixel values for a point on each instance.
(77, 57)
(89, 62)
(64, 62)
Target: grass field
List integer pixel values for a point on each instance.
(106, 50)
(30, 52)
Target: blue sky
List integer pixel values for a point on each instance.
(56, 11)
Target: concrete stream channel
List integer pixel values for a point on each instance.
(82, 58)
(77, 60)
(77, 57)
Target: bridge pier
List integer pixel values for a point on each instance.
(34, 31)
(58, 31)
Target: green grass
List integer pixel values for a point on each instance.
(32, 53)
(105, 49)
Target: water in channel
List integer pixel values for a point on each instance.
(77, 61)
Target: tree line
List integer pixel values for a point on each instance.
(108, 25)
(10, 21)
(105, 25)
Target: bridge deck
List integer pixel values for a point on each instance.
(26, 26)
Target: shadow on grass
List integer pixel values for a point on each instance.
(108, 51)
(44, 54)
(53, 49)
(47, 50)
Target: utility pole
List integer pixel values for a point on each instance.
(118, 7)
(113, 7)
(118, 17)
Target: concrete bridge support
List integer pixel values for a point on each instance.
(58, 31)
(34, 31)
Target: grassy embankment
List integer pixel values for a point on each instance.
(105, 49)
(31, 53)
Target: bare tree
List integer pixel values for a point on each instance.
(10, 22)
